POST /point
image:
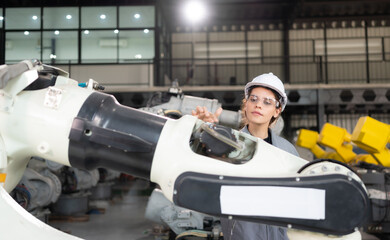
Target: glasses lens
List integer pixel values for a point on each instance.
(266, 101)
(253, 99)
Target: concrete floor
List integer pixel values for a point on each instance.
(123, 219)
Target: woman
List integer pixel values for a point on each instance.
(265, 99)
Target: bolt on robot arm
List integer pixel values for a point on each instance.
(200, 166)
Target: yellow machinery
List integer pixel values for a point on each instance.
(309, 139)
(337, 139)
(372, 136)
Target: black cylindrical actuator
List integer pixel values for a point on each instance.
(108, 134)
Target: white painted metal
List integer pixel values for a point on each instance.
(173, 150)
(16, 223)
(37, 123)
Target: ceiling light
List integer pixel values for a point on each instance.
(146, 30)
(137, 16)
(34, 17)
(56, 32)
(1, 18)
(26, 33)
(68, 17)
(103, 16)
(194, 11)
(86, 31)
(53, 56)
(116, 31)
(138, 56)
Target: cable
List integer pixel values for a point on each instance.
(194, 233)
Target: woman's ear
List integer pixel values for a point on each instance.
(244, 105)
(277, 112)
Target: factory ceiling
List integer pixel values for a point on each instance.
(245, 11)
(285, 11)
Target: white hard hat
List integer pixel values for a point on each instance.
(268, 80)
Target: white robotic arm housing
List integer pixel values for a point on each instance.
(204, 167)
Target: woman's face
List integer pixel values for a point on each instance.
(260, 107)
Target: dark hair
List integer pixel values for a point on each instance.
(244, 120)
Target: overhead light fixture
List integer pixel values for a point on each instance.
(68, 16)
(56, 32)
(34, 17)
(146, 30)
(137, 16)
(26, 33)
(86, 32)
(116, 31)
(1, 18)
(295, 26)
(194, 11)
(103, 16)
(138, 56)
(53, 56)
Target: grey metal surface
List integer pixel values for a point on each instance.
(101, 191)
(71, 204)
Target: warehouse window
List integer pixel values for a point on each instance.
(99, 46)
(135, 17)
(136, 45)
(22, 45)
(1, 18)
(60, 17)
(98, 17)
(104, 37)
(23, 18)
(60, 46)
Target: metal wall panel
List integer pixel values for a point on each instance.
(306, 34)
(345, 33)
(301, 48)
(189, 37)
(182, 50)
(265, 35)
(226, 36)
(379, 72)
(272, 48)
(347, 72)
(304, 73)
(378, 31)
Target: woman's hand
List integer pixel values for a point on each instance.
(203, 114)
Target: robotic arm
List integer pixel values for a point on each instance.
(204, 167)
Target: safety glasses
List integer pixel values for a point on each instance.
(265, 101)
